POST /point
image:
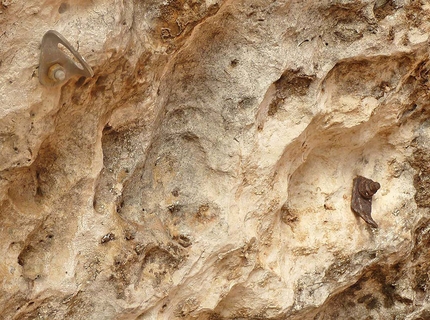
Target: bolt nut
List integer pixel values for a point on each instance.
(57, 73)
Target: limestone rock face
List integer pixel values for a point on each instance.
(206, 170)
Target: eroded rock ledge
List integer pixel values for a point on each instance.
(205, 171)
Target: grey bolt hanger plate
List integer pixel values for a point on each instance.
(55, 66)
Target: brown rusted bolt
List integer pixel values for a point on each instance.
(368, 188)
(361, 203)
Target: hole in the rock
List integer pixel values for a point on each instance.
(175, 192)
(107, 128)
(120, 206)
(80, 82)
(63, 7)
(39, 191)
(101, 80)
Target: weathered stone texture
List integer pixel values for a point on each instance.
(205, 171)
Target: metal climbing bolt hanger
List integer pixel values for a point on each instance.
(55, 66)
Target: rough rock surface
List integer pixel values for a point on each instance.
(205, 171)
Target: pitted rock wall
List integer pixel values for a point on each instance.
(205, 171)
